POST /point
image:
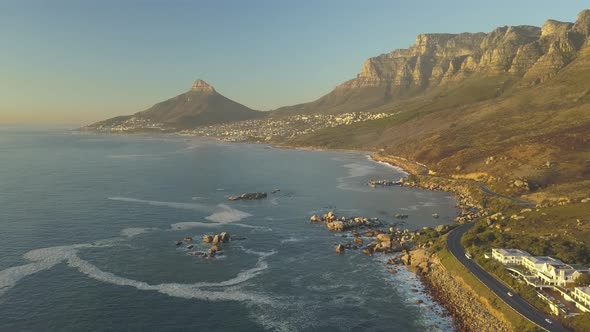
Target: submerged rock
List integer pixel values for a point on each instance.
(248, 196)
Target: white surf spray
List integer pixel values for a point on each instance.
(226, 214)
(433, 316)
(46, 258)
(134, 231)
(175, 205)
(180, 226)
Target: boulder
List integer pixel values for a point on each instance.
(384, 237)
(224, 237)
(368, 251)
(337, 226)
(214, 248)
(340, 249)
(441, 228)
(384, 246)
(207, 238)
(216, 239)
(358, 240)
(315, 218)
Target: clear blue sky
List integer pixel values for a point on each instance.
(78, 61)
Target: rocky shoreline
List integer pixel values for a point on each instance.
(451, 292)
(468, 311)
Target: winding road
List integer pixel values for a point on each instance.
(501, 290)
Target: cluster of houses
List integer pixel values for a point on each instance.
(545, 271)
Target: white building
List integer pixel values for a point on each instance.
(509, 256)
(582, 296)
(552, 271)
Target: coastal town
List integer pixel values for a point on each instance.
(259, 130)
(281, 128)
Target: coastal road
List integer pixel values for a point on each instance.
(487, 190)
(501, 290)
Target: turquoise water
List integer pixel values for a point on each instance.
(88, 225)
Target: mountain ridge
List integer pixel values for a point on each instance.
(526, 53)
(201, 105)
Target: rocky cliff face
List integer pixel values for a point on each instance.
(528, 54)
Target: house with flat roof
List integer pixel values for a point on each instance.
(582, 296)
(553, 271)
(509, 256)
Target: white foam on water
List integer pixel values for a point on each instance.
(46, 258)
(11, 276)
(226, 214)
(291, 240)
(131, 156)
(193, 224)
(358, 170)
(274, 201)
(43, 259)
(188, 291)
(354, 171)
(434, 316)
(261, 228)
(176, 205)
(134, 231)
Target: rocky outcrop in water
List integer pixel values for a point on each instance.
(248, 196)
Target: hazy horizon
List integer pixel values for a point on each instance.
(77, 62)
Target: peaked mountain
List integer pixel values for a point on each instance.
(200, 106)
(527, 54)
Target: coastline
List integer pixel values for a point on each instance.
(431, 282)
(468, 310)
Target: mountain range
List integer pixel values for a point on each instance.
(498, 105)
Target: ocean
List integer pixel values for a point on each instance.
(88, 225)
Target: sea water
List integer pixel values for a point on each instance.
(88, 225)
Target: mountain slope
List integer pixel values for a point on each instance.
(200, 106)
(505, 120)
(526, 54)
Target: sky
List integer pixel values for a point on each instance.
(81, 61)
